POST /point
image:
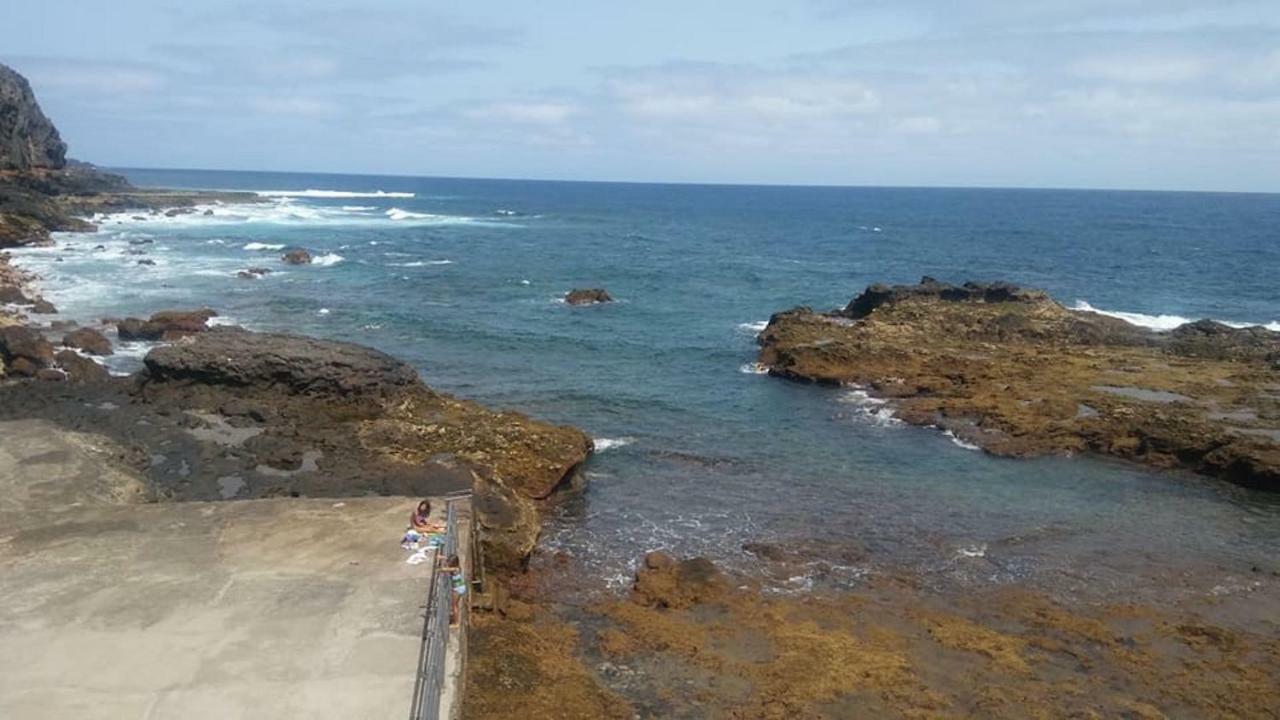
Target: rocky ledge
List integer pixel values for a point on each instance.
(1010, 370)
(229, 413)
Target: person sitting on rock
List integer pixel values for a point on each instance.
(420, 519)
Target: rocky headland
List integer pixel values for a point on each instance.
(42, 191)
(1010, 370)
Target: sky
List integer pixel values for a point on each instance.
(1145, 94)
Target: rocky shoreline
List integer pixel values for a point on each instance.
(1009, 370)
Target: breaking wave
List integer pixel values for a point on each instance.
(1163, 323)
(331, 194)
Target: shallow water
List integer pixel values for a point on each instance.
(699, 452)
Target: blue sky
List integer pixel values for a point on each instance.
(1043, 93)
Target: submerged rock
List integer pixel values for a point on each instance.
(587, 296)
(1008, 369)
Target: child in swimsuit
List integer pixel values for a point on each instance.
(457, 587)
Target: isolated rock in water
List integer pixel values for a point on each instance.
(80, 369)
(587, 296)
(662, 582)
(291, 363)
(88, 340)
(253, 273)
(167, 325)
(1011, 371)
(28, 139)
(297, 257)
(43, 307)
(18, 343)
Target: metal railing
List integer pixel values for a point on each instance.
(429, 684)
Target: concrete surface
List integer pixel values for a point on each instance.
(282, 608)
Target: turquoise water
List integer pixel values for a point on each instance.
(699, 455)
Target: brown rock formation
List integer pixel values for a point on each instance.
(296, 257)
(24, 350)
(88, 340)
(587, 296)
(1015, 372)
(167, 325)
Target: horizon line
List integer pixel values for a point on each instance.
(697, 183)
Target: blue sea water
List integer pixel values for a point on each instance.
(699, 454)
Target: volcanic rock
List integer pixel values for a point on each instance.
(296, 257)
(18, 343)
(80, 369)
(28, 140)
(89, 340)
(587, 296)
(663, 582)
(168, 325)
(1008, 369)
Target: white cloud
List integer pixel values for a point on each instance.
(537, 113)
(299, 106)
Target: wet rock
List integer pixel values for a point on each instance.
(51, 375)
(296, 257)
(43, 307)
(146, 262)
(168, 325)
(587, 296)
(1009, 369)
(80, 369)
(25, 350)
(253, 273)
(13, 295)
(88, 340)
(663, 582)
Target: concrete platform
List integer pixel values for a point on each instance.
(287, 608)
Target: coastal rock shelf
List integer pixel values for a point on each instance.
(1012, 371)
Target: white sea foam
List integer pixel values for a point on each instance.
(422, 263)
(972, 551)
(754, 368)
(262, 246)
(327, 259)
(358, 208)
(605, 444)
(398, 214)
(332, 194)
(868, 407)
(957, 441)
(753, 328)
(1163, 322)
(322, 311)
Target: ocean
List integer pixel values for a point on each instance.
(697, 452)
